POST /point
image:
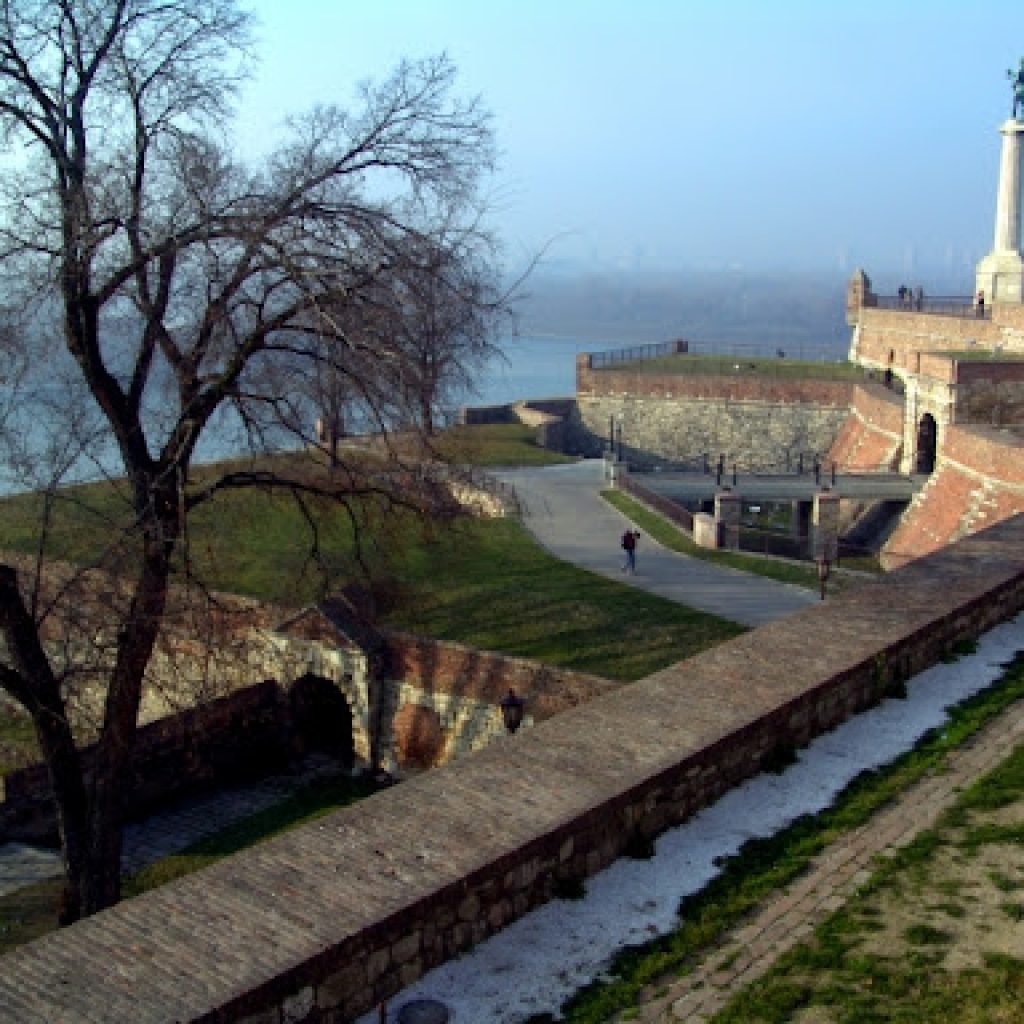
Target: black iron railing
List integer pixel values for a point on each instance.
(603, 360)
(940, 305)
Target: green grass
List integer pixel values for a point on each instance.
(485, 583)
(733, 366)
(763, 866)
(836, 976)
(489, 585)
(497, 444)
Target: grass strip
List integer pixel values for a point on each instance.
(910, 981)
(762, 866)
(675, 539)
(694, 364)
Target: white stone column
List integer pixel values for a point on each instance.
(1001, 273)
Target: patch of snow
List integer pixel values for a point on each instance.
(536, 963)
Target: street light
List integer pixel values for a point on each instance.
(512, 709)
(824, 570)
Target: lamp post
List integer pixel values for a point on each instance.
(512, 709)
(824, 569)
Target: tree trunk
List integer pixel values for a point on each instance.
(110, 771)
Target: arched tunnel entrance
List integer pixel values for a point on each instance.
(926, 441)
(322, 718)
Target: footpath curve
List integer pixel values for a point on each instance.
(563, 508)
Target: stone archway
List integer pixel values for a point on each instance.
(927, 435)
(321, 718)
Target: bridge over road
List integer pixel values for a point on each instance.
(696, 487)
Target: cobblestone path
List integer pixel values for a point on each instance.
(791, 915)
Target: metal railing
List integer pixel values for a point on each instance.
(724, 358)
(962, 306)
(614, 357)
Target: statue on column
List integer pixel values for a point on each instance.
(1017, 78)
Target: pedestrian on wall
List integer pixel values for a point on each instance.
(919, 298)
(979, 304)
(629, 539)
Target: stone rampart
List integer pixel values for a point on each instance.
(324, 922)
(669, 432)
(760, 422)
(872, 436)
(988, 392)
(978, 481)
(897, 338)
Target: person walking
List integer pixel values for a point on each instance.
(629, 539)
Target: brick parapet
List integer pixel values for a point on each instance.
(739, 388)
(906, 335)
(436, 666)
(323, 922)
(994, 455)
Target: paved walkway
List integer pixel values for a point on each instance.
(564, 510)
(792, 914)
(170, 830)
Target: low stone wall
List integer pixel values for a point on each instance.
(435, 668)
(672, 511)
(324, 922)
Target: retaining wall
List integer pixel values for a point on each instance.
(252, 732)
(322, 923)
(676, 419)
(978, 481)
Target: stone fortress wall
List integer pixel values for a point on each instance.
(322, 923)
(963, 382)
(676, 419)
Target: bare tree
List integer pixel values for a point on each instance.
(186, 287)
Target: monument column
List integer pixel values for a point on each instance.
(1000, 274)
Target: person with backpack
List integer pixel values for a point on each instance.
(629, 539)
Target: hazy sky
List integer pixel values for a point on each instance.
(698, 133)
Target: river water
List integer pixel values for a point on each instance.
(526, 366)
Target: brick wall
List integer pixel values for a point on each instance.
(320, 924)
(436, 669)
(906, 335)
(872, 436)
(978, 481)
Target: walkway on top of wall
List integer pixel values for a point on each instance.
(564, 510)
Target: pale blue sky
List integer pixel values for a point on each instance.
(697, 133)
